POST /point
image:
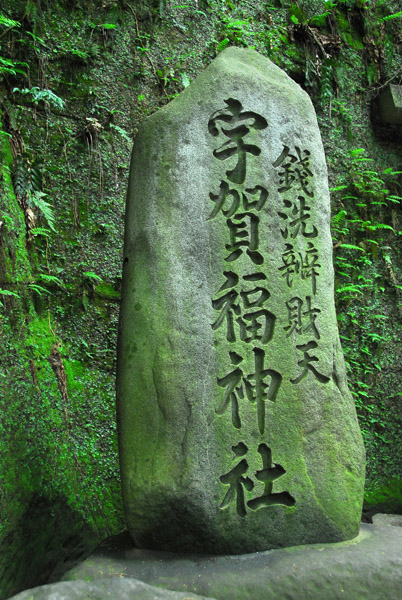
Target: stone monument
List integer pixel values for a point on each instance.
(237, 432)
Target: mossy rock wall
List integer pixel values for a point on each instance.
(77, 78)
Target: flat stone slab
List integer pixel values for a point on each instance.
(121, 589)
(384, 519)
(368, 567)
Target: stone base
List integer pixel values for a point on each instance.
(368, 567)
(391, 104)
(111, 588)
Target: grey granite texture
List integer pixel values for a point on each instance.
(237, 432)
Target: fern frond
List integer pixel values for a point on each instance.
(8, 22)
(376, 226)
(222, 45)
(37, 199)
(349, 288)
(339, 217)
(122, 132)
(38, 289)
(351, 247)
(8, 293)
(40, 231)
(397, 15)
(50, 279)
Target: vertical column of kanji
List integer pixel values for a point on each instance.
(242, 304)
(300, 258)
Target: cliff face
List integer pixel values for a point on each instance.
(76, 80)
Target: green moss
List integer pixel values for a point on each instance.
(386, 497)
(107, 292)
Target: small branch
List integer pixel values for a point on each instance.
(339, 243)
(399, 72)
(135, 17)
(44, 112)
(152, 64)
(317, 41)
(7, 30)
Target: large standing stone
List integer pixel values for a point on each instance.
(237, 430)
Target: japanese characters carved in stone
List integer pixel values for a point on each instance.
(237, 431)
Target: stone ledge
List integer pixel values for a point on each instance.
(114, 589)
(391, 104)
(369, 567)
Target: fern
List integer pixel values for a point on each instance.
(37, 199)
(9, 67)
(8, 293)
(122, 132)
(222, 45)
(390, 171)
(8, 22)
(27, 177)
(357, 152)
(327, 91)
(38, 289)
(350, 288)
(92, 275)
(394, 16)
(40, 231)
(351, 247)
(319, 20)
(339, 218)
(375, 226)
(50, 279)
(38, 95)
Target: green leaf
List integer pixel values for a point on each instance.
(8, 22)
(357, 151)
(349, 288)
(36, 38)
(378, 226)
(185, 80)
(339, 187)
(222, 45)
(8, 293)
(397, 15)
(351, 247)
(50, 279)
(92, 275)
(38, 289)
(351, 40)
(8, 66)
(372, 73)
(40, 231)
(37, 199)
(38, 95)
(122, 132)
(108, 26)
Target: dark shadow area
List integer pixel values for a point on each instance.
(47, 541)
